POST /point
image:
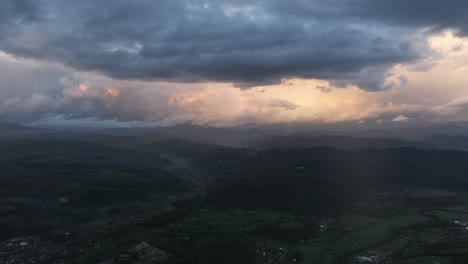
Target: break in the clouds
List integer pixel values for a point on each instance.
(172, 61)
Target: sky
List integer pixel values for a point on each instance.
(233, 63)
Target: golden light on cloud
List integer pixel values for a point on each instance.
(434, 88)
(112, 92)
(447, 43)
(6, 56)
(291, 101)
(300, 100)
(83, 88)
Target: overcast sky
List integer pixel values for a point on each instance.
(234, 63)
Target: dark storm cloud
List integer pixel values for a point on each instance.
(12, 11)
(347, 42)
(434, 14)
(16, 13)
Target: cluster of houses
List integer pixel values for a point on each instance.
(461, 223)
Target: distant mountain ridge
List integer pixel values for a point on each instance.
(436, 137)
(12, 129)
(340, 142)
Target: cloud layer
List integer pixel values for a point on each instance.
(248, 43)
(171, 61)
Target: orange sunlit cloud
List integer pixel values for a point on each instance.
(434, 89)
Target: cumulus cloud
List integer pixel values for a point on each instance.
(39, 92)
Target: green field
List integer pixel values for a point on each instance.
(351, 222)
(339, 245)
(449, 216)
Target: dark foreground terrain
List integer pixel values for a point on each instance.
(97, 198)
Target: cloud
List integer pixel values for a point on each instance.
(18, 11)
(456, 109)
(171, 62)
(80, 99)
(434, 14)
(242, 42)
(385, 110)
(323, 88)
(401, 119)
(40, 92)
